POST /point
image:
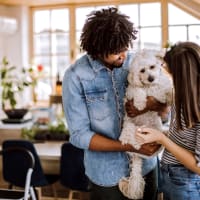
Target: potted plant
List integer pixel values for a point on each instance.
(51, 132)
(13, 83)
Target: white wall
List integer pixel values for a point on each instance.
(15, 46)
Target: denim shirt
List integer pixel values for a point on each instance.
(93, 103)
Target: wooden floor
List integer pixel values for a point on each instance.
(62, 193)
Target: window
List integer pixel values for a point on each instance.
(51, 47)
(149, 26)
(53, 41)
(183, 27)
(147, 22)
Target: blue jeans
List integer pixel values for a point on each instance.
(179, 183)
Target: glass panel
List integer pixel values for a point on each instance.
(150, 37)
(41, 21)
(79, 53)
(60, 20)
(132, 11)
(59, 64)
(81, 15)
(136, 45)
(42, 44)
(194, 34)
(150, 14)
(177, 33)
(43, 89)
(60, 43)
(45, 62)
(181, 16)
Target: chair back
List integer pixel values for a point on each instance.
(14, 173)
(72, 171)
(18, 155)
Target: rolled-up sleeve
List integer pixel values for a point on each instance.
(75, 110)
(197, 149)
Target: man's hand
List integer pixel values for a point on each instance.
(149, 148)
(152, 105)
(131, 110)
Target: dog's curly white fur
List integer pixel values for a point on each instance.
(146, 78)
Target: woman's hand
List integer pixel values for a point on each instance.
(148, 135)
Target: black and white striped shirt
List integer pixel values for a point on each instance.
(188, 138)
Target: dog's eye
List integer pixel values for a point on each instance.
(142, 70)
(152, 67)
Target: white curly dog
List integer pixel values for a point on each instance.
(146, 78)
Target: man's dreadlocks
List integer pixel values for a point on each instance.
(107, 32)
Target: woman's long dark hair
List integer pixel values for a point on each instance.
(183, 61)
(106, 32)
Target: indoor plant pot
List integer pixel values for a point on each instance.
(17, 113)
(13, 83)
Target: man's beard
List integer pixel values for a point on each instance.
(116, 66)
(113, 65)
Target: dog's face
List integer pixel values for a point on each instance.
(145, 68)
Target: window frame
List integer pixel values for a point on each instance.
(72, 22)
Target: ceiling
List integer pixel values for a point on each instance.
(46, 2)
(191, 6)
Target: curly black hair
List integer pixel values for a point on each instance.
(107, 32)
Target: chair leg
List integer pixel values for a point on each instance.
(33, 193)
(81, 195)
(71, 194)
(54, 191)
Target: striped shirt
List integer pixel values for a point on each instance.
(188, 138)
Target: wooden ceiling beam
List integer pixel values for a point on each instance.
(192, 6)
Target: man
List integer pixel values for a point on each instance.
(93, 91)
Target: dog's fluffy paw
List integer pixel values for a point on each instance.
(132, 189)
(123, 186)
(133, 186)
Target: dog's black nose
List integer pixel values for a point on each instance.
(150, 78)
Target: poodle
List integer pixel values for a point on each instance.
(146, 77)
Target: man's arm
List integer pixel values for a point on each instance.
(152, 105)
(101, 143)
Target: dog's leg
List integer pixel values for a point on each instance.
(133, 186)
(128, 133)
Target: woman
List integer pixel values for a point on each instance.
(180, 164)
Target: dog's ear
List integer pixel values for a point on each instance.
(133, 80)
(130, 77)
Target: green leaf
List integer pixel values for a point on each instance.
(5, 61)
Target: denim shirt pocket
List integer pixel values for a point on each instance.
(97, 103)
